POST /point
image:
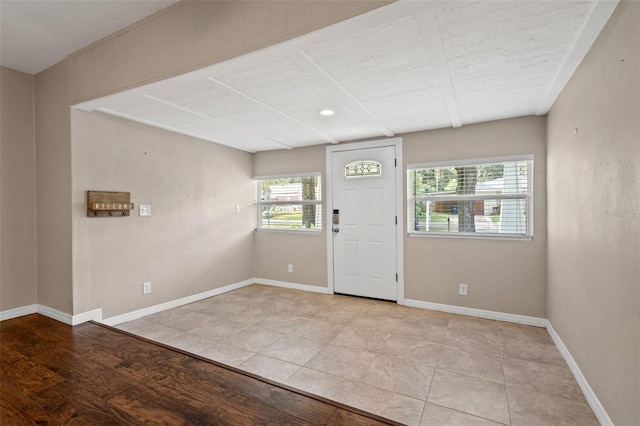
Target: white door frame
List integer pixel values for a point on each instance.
(397, 143)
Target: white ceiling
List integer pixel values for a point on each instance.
(409, 66)
(36, 34)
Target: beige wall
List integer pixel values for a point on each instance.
(503, 276)
(181, 38)
(594, 216)
(306, 251)
(17, 191)
(193, 242)
(53, 189)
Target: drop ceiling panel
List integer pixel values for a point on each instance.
(166, 115)
(283, 86)
(383, 61)
(225, 135)
(276, 71)
(507, 55)
(233, 136)
(210, 99)
(295, 137)
(420, 110)
(212, 130)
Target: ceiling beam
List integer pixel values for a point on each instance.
(432, 38)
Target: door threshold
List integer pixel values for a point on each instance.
(365, 297)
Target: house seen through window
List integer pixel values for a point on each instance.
(471, 198)
(290, 202)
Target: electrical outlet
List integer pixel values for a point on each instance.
(462, 290)
(146, 287)
(290, 268)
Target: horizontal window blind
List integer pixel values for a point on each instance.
(472, 198)
(290, 203)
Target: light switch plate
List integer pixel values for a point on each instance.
(145, 209)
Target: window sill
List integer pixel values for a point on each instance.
(291, 231)
(470, 236)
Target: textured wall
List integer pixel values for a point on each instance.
(306, 251)
(17, 191)
(53, 188)
(193, 242)
(504, 276)
(594, 215)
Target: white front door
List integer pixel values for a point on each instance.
(364, 237)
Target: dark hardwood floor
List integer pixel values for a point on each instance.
(54, 374)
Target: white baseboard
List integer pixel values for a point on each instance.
(55, 314)
(130, 316)
(94, 315)
(18, 312)
(293, 286)
(589, 394)
(480, 313)
(36, 309)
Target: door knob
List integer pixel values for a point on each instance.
(336, 230)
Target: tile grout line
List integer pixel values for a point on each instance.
(504, 375)
(378, 353)
(435, 368)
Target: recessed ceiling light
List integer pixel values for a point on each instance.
(327, 112)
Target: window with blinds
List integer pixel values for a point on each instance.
(290, 202)
(491, 197)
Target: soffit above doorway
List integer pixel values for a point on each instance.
(37, 34)
(405, 67)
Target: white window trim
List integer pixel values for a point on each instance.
(472, 235)
(287, 175)
(468, 162)
(260, 203)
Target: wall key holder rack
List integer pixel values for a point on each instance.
(108, 204)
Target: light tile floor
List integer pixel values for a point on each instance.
(411, 365)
